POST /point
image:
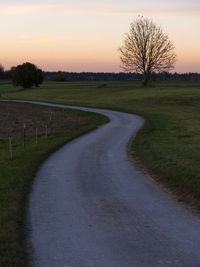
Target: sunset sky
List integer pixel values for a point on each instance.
(84, 35)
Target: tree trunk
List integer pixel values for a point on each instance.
(145, 78)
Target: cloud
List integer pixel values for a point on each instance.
(36, 40)
(17, 10)
(101, 9)
(27, 39)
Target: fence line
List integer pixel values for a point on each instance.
(25, 140)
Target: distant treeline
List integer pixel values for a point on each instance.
(61, 76)
(121, 76)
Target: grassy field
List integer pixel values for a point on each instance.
(16, 175)
(168, 145)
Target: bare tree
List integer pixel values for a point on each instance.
(147, 49)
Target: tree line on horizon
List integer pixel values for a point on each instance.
(63, 76)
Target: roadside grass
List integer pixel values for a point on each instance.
(16, 177)
(169, 143)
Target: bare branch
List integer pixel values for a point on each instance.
(146, 49)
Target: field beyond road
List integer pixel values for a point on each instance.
(168, 146)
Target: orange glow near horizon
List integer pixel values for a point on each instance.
(86, 37)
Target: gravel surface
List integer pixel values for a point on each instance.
(90, 206)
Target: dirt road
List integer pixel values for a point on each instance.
(90, 206)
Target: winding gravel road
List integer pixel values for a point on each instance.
(90, 206)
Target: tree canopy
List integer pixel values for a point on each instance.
(27, 75)
(147, 49)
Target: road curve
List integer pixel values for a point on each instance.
(91, 207)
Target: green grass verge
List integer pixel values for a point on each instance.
(16, 178)
(169, 143)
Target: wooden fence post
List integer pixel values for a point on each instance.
(36, 136)
(10, 145)
(24, 135)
